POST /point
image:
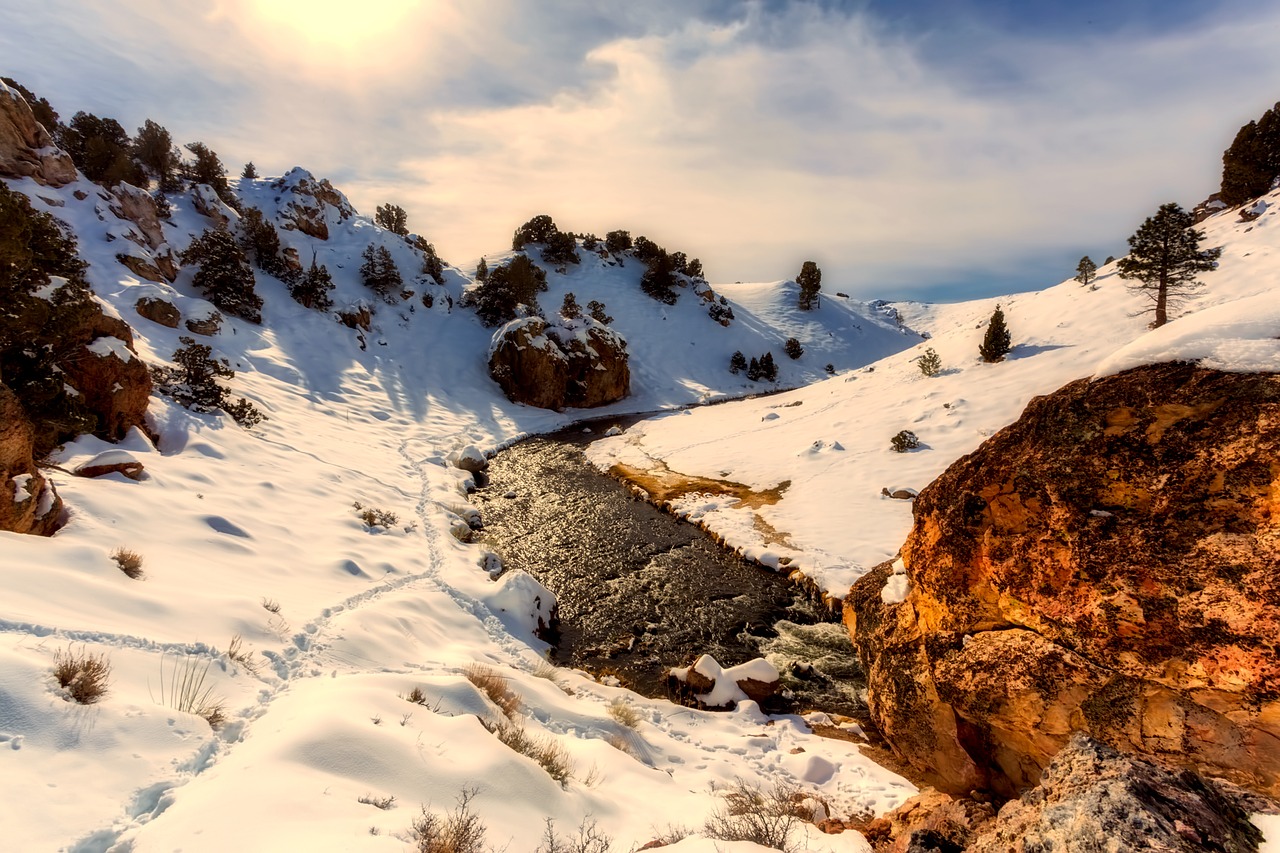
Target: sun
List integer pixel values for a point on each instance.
(339, 24)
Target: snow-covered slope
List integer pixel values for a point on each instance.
(255, 534)
(831, 440)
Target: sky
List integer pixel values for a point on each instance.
(938, 149)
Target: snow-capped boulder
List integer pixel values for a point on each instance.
(137, 206)
(712, 686)
(312, 205)
(580, 363)
(26, 148)
(158, 310)
(28, 502)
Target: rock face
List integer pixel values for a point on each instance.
(580, 363)
(1105, 564)
(137, 206)
(26, 148)
(28, 502)
(113, 382)
(1093, 798)
(158, 311)
(310, 204)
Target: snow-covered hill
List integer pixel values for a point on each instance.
(831, 440)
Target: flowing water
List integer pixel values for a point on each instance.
(641, 591)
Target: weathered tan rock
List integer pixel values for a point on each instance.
(26, 148)
(137, 206)
(308, 204)
(159, 311)
(28, 501)
(930, 818)
(553, 367)
(1105, 564)
(206, 202)
(143, 268)
(208, 324)
(111, 462)
(359, 317)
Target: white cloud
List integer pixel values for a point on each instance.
(754, 142)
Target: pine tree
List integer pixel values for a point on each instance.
(194, 383)
(224, 275)
(753, 369)
(569, 308)
(996, 343)
(517, 282)
(1252, 162)
(102, 149)
(153, 147)
(694, 270)
(1165, 257)
(659, 280)
(393, 218)
(792, 348)
(810, 281)
(250, 171)
(930, 363)
(597, 312)
(313, 288)
(539, 229)
(432, 266)
(380, 273)
(482, 270)
(1086, 270)
(259, 238)
(738, 362)
(1111, 259)
(617, 241)
(560, 249)
(768, 370)
(206, 168)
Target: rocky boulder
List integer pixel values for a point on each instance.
(28, 502)
(1105, 564)
(104, 369)
(311, 203)
(157, 310)
(137, 206)
(580, 363)
(26, 148)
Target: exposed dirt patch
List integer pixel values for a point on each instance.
(664, 485)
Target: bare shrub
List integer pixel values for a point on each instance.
(624, 713)
(373, 517)
(458, 831)
(83, 675)
(548, 752)
(186, 691)
(588, 839)
(130, 562)
(673, 834)
(768, 817)
(271, 605)
(237, 652)
(383, 803)
(493, 685)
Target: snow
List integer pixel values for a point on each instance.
(106, 346)
(1270, 826)
(253, 533)
(896, 585)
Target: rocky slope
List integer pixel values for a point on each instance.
(1105, 564)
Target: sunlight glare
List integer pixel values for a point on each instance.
(336, 23)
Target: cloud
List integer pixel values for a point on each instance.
(753, 135)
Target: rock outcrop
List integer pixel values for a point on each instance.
(28, 502)
(1105, 564)
(112, 381)
(158, 310)
(26, 148)
(580, 363)
(311, 203)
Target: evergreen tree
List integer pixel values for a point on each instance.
(380, 273)
(617, 241)
(904, 441)
(153, 147)
(1252, 162)
(539, 229)
(194, 383)
(569, 308)
(560, 249)
(996, 343)
(34, 254)
(260, 239)
(659, 280)
(793, 349)
(393, 218)
(482, 270)
(590, 242)
(810, 281)
(738, 362)
(250, 171)
(1165, 257)
(768, 370)
(597, 312)
(224, 275)
(694, 270)
(930, 362)
(645, 250)
(1086, 270)
(206, 168)
(518, 282)
(753, 369)
(102, 149)
(313, 288)
(1111, 259)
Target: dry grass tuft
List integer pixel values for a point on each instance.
(373, 517)
(186, 691)
(493, 685)
(624, 713)
(544, 749)
(383, 803)
(83, 675)
(130, 562)
(271, 605)
(459, 831)
(418, 697)
(239, 654)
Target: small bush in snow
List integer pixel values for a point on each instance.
(517, 282)
(459, 831)
(193, 383)
(373, 517)
(237, 652)
(720, 312)
(548, 752)
(588, 839)
(83, 675)
(793, 349)
(904, 441)
(312, 288)
(831, 369)
(383, 803)
(930, 363)
(130, 562)
(738, 363)
(766, 817)
(596, 309)
(493, 685)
